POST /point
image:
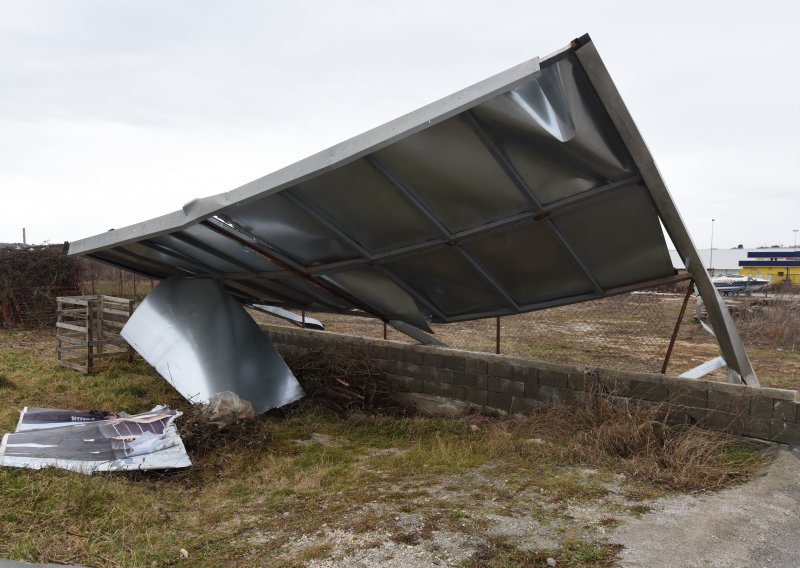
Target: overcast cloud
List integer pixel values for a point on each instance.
(115, 112)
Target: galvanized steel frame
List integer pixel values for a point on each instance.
(730, 342)
(209, 213)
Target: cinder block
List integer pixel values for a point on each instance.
(546, 394)
(758, 428)
(432, 387)
(780, 394)
(785, 410)
(481, 367)
(684, 415)
(414, 357)
(423, 372)
(517, 388)
(453, 362)
(399, 382)
(500, 369)
(498, 384)
(469, 366)
(443, 375)
(576, 381)
(522, 405)
(761, 409)
(461, 378)
(784, 432)
(648, 390)
(531, 388)
(476, 396)
(520, 372)
(562, 395)
(454, 391)
(429, 360)
(557, 379)
(392, 366)
(482, 382)
(395, 354)
(732, 402)
(415, 385)
(723, 422)
(377, 351)
(501, 401)
(688, 394)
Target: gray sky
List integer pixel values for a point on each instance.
(115, 112)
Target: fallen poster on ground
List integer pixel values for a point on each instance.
(94, 441)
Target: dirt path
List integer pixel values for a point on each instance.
(755, 524)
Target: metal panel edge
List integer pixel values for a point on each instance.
(728, 337)
(338, 155)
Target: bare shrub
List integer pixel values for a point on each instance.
(30, 281)
(774, 322)
(342, 381)
(641, 441)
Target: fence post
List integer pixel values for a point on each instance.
(677, 327)
(497, 338)
(120, 282)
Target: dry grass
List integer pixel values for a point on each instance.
(773, 322)
(259, 485)
(638, 441)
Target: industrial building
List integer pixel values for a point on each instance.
(774, 264)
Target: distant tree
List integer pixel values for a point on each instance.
(740, 246)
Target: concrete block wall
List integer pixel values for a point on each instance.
(508, 384)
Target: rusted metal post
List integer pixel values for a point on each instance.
(497, 337)
(303, 318)
(384, 330)
(677, 327)
(134, 286)
(120, 282)
(92, 268)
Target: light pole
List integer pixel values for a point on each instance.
(711, 250)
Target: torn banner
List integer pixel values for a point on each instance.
(203, 342)
(94, 441)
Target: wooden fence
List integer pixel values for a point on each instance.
(87, 331)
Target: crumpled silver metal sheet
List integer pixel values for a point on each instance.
(203, 342)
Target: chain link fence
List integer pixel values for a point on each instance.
(630, 331)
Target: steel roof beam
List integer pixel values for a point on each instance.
(249, 240)
(730, 342)
(598, 193)
(252, 289)
(333, 226)
(416, 201)
(578, 298)
(511, 172)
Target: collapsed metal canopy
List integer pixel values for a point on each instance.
(528, 190)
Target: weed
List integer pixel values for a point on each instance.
(314, 551)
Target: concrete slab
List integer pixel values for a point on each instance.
(755, 524)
